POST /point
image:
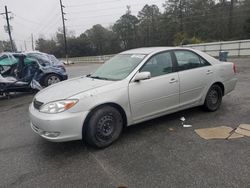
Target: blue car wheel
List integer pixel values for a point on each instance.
(51, 79)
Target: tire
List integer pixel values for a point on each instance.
(104, 127)
(51, 79)
(213, 98)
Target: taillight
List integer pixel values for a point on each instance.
(234, 68)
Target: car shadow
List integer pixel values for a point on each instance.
(150, 124)
(75, 147)
(57, 150)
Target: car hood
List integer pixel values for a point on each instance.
(69, 88)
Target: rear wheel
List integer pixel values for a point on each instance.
(104, 127)
(213, 98)
(51, 79)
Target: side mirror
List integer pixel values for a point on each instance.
(142, 76)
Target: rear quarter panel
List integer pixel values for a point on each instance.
(225, 74)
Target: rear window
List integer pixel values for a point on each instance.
(189, 60)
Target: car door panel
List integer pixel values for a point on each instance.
(193, 82)
(153, 96)
(157, 94)
(195, 76)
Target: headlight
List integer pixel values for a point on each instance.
(58, 106)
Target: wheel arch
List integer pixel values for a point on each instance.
(221, 85)
(115, 105)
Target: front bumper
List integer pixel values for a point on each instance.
(64, 76)
(59, 127)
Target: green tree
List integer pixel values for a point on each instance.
(101, 39)
(5, 46)
(180, 38)
(172, 23)
(126, 30)
(47, 46)
(182, 22)
(149, 25)
(79, 46)
(179, 10)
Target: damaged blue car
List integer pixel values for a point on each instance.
(22, 72)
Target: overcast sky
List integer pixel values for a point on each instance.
(42, 17)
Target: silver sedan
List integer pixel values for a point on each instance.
(132, 87)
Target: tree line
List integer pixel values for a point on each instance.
(181, 22)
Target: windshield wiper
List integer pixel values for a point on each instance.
(97, 77)
(101, 78)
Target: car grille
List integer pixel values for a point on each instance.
(37, 104)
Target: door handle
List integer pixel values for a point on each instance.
(173, 80)
(209, 72)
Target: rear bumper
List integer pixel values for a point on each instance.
(59, 127)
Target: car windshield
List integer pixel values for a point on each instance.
(118, 67)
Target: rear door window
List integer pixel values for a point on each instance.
(189, 60)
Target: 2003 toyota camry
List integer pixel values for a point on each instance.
(132, 87)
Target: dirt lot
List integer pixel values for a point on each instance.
(147, 155)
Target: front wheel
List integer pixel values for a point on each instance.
(213, 98)
(51, 79)
(104, 127)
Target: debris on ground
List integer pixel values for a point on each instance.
(243, 129)
(183, 119)
(187, 126)
(171, 129)
(222, 132)
(36, 85)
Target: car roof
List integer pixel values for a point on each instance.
(149, 50)
(153, 50)
(34, 52)
(18, 54)
(15, 54)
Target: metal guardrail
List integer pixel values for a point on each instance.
(235, 48)
(89, 59)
